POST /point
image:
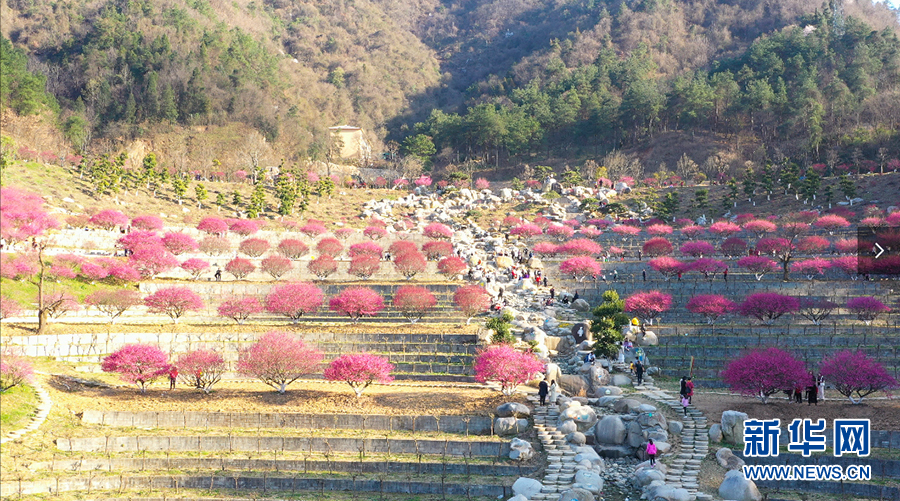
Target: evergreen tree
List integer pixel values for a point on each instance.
(729, 200)
(749, 183)
(700, 198)
(236, 199)
(768, 179)
(179, 187)
(811, 184)
(286, 191)
(257, 201)
(201, 194)
(609, 318)
(847, 187)
(325, 186)
(221, 200)
(789, 177)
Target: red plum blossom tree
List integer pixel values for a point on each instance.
(364, 266)
(757, 265)
(109, 219)
(580, 267)
(113, 303)
(711, 306)
(240, 267)
(437, 231)
(866, 308)
(667, 266)
(403, 246)
(811, 267)
(329, 246)
(504, 365)
(173, 301)
(313, 229)
(151, 261)
(724, 229)
(831, 222)
(243, 227)
(253, 247)
(178, 243)
(359, 370)
(15, 370)
(853, 373)
(560, 232)
(278, 359)
(195, 266)
(201, 369)
(292, 248)
(451, 266)
(22, 215)
(697, 248)
(410, 264)
(545, 249)
(413, 302)
(239, 309)
(365, 249)
(526, 230)
(276, 266)
(657, 246)
(322, 266)
(357, 302)
(375, 232)
(213, 226)
(648, 305)
(768, 306)
(139, 364)
(9, 307)
(815, 309)
(762, 373)
(471, 300)
(147, 222)
(215, 246)
(579, 247)
(436, 249)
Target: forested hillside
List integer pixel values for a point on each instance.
(493, 82)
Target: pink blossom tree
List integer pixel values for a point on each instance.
(253, 247)
(423, 180)
(451, 266)
(545, 249)
(151, 261)
(811, 267)
(292, 248)
(855, 373)
(366, 249)
(201, 369)
(768, 306)
(94, 271)
(580, 267)
(109, 219)
(147, 222)
(625, 231)
(357, 302)
(692, 231)
(471, 300)
(658, 230)
(657, 246)
(698, 248)
(313, 230)
(113, 303)
(139, 364)
(505, 365)
(667, 266)
(762, 373)
(590, 232)
(413, 302)
(359, 370)
(482, 184)
(330, 246)
(760, 227)
(847, 246)
(438, 231)
(138, 239)
(813, 244)
(124, 273)
(831, 222)
(364, 266)
(403, 246)
(526, 230)
(322, 266)
(239, 309)
(178, 243)
(240, 267)
(15, 370)
(757, 265)
(436, 249)
(344, 233)
(560, 232)
(510, 221)
(195, 266)
(215, 246)
(213, 226)
(9, 307)
(173, 301)
(276, 266)
(375, 232)
(724, 229)
(781, 248)
(22, 215)
(866, 308)
(711, 306)
(815, 309)
(648, 305)
(847, 264)
(278, 359)
(294, 300)
(733, 246)
(410, 264)
(243, 227)
(580, 247)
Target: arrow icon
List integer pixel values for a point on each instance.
(880, 250)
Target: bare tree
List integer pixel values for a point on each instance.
(621, 165)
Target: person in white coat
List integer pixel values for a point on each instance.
(554, 392)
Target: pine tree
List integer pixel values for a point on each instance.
(749, 183)
(201, 193)
(847, 187)
(179, 187)
(700, 198)
(731, 197)
(325, 187)
(811, 185)
(257, 201)
(221, 200)
(768, 180)
(286, 191)
(789, 177)
(236, 199)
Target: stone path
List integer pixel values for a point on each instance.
(560, 472)
(43, 410)
(685, 468)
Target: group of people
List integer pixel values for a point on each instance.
(814, 391)
(548, 390)
(687, 392)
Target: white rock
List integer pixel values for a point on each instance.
(527, 487)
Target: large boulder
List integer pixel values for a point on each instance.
(610, 430)
(589, 480)
(626, 405)
(599, 377)
(652, 419)
(581, 331)
(513, 409)
(587, 453)
(520, 450)
(635, 437)
(535, 334)
(736, 487)
(581, 305)
(608, 391)
(728, 460)
(733, 426)
(527, 487)
(644, 476)
(621, 380)
(574, 384)
(576, 438)
(504, 262)
(665, 492)
(510, 426)
(535, 263)
(715, 433)
(675, 427)
(648, 338)
(553, 370)
(585, 417)
(576, 494)
(567, 427)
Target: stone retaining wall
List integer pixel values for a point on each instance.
(263, 483)
(474, 425)
(292, 444)
(299, 465)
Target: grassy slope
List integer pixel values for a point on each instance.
(16, 407)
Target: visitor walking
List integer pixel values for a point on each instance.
(820, 388)
(689, 389)
(651, 452)
(173, 374)
(543, 389)
(684, 404)
(552, 293)
(812, 396)
(644, 273)
(683, 391)
(554, 392)
(725, 274)
(639, 372)
(218, 275)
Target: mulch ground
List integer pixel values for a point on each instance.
(300, 397)
(884, 414)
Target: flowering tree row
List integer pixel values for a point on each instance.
(276, 359)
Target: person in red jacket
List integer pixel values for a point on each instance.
(689, 389)
(173, 374)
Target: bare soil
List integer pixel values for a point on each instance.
(300, 397)
(884, 414)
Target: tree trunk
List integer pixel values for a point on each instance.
(43, 320)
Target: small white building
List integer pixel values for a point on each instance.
(353, 143)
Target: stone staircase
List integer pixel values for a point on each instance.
(560, 472)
